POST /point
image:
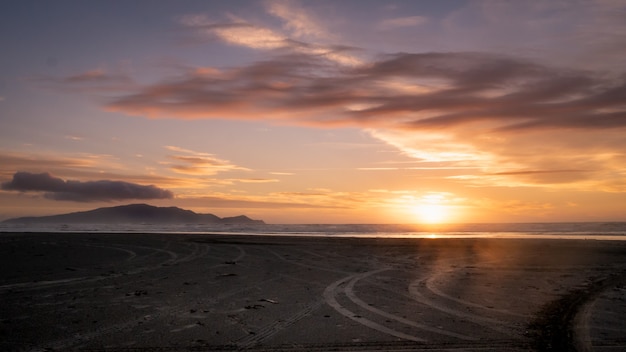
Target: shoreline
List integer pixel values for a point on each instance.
(517, 235)
(119, 291)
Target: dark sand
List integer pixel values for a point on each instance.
(147, 292)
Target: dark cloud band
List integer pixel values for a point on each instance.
(103, 190)
(401, 91)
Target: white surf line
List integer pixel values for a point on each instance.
(329, 296)
(493, 324)
(430, 286)
(349, 291)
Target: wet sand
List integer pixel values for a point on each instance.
(152, 292)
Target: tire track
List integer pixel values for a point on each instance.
(332, 291)
(429, 284)
(293, 262)
(349, 291)
(274, 328)
(78, 341)
(72, 280)
(491, 323)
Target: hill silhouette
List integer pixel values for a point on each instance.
(135, 213)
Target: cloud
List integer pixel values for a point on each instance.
(465, 109)
(409, 21)
(89, 76)
(302, 35)
(97, 80)
(229, 202)
(190, 162)
(239, 33)
(509, 119)
(403, 91)
(104, 190)
(17, 161)
(297, 19)
(79, 166)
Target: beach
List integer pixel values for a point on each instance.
(190, 292)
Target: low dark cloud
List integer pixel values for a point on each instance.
(104, 190)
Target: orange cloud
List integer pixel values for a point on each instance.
(496, 114)
(299, 26)
(198, 163)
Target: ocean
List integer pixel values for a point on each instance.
(561, 230)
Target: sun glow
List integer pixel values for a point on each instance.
(432, 209)
(432, 213)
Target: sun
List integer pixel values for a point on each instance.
(432, 213)
(433, 208)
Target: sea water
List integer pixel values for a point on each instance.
(561, 230)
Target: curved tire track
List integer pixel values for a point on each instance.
(332, 291)
(349, 291)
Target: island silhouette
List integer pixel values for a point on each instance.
(135, 213)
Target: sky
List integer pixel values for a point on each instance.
(316, 111)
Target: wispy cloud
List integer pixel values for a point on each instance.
(298, 21)
(191, 162)
(77, 163)
(257, 180)
(97, 80)
(251, 203)
(301, 33)
(74, 138)
(237, 32)
(82, 191)
(398, 22)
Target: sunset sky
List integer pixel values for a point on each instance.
(316, 111)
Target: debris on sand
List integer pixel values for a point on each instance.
(268, 300)
(227, 275)
(138, 293)
(256, 306)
